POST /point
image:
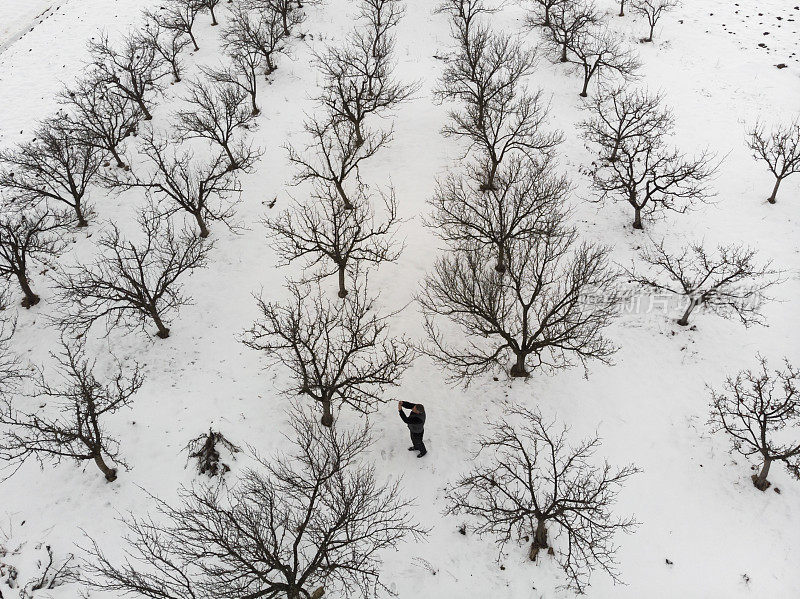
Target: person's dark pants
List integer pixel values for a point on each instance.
(416, 441)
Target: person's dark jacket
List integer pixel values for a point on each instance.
(415, 422)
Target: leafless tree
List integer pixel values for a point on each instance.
(207, 191)
(528, 480)
(56, 166)
(569, 20)
(29, 234)
(729, 282)
(131, 283)
(257, 31)
(291, 14)
(498, 115)
(167, 43)
(779, 148)
(653, 177)
(754, 409)
(336, 154)
(12, 372)
(217, 111)
(100, 116)
(210, 6)
(179, 16)
(136, 69)
(543, 9)
(358, 78)
(305, 524)
(621, 115)
(653, 10)
(337, 240)
(549, 307)
(336, 351)
(203, 450)
(73, 428)
(599, 51)
(526, 202)
(242, 72)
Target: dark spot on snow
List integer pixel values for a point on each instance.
(669, 561)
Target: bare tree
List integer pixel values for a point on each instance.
(335, 351)
(57, 165)
(12, 372)
(358, 77)
(754, 409)
(569, 20)
(29, 234)
(100, 116)
(729, 282)
(206, 191)
(653, 177)
(258, 31)
(598, 51)
(290, 14)
(242, 72)
(549, 307)
(179, 16)
(210, 6)
(499, 116)
(167, 43)
(326, 234)
(528, 479)
(216, 113)
(779, 148)
(135, 70)
(543, 9)
(653, 10)
(620, 116)
(304, 525)
(131, 283)
(336, 154)
(526, 202)
(73, 428)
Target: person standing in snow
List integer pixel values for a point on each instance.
(416, 424)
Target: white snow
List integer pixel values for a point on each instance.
(695, 501)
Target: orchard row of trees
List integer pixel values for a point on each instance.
(133, 282)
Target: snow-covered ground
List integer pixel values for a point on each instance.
(695, 501)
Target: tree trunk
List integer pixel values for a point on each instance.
(343, 195)
(233, 165)
(201, 223)
(359, 135)
(684, 320)
(501, 259)
(760, 482)
(117, 157)
(564, 52)
(771, 198)
(649, 38)
(145, 112)
(614, 152)
(79, 214)
(110, 473)
(175, 72)
(327, 415)
(489, 184)
(637, 219)
(584, 91)
(213, 17)
(518, 369)
(194, 41)
(256, 109)
(31, 299)
(539, 540)
(163, 331)
(342, 288)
